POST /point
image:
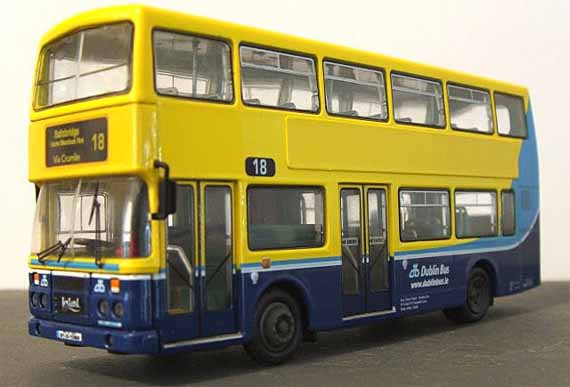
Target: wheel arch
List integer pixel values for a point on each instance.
(296, 289)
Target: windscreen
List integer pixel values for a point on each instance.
(105, 217)
(88, 63)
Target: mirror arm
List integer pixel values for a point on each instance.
(162, 165)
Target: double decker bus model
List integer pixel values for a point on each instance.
(203, 184)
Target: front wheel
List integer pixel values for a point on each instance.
(478, 299)
(278, 329)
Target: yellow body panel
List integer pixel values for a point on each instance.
(338, 145)
(209, 141)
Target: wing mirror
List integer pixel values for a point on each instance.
(166, 193)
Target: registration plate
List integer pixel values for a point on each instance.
(69, 336)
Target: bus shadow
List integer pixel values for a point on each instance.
(188, 368)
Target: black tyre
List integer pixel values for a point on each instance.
(278, 329)
(478, 299)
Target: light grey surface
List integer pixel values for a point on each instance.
(525, 341)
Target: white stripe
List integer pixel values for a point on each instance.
(123, 277)
(112, 324)
(70, 274)
(159, 276)
(512, 246)
(40, 271)
(366, 315)
(205, 340)
(292, 266)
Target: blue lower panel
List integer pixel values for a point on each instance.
(420, 283)
(113, 340)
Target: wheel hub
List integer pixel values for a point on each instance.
(277, 326)
(478, 294)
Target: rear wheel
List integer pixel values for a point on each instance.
(478, 299)
(278, 329)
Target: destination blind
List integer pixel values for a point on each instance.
(78, 142)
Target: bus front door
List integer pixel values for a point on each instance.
(199, 269)
(366, 276)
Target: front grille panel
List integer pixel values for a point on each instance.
(69, 298)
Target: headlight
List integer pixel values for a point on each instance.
(44, 300)
(35, 300)
(103, 307)
(118, 309)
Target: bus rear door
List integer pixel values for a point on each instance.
(366, 279)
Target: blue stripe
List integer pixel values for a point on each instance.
(300, 261)
(76, 265)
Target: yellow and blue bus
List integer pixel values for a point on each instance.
(202, 184)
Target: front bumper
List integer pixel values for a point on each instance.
(118, 341)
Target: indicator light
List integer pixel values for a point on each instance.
(36, 277)
(115, 285)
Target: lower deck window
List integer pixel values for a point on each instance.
(285, 217)
(424, 215)
(475, 214)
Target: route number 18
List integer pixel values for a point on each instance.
(260, 166)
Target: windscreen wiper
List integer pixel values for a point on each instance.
(58, 246)
(96, 210)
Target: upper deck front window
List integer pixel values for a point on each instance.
(88, 63)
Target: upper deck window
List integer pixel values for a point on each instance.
(355, 91)
(470, 109)
(88, 63)
(192, 67)
(275, 79)
(417, 101)
(511, 117)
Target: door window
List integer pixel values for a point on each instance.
(180, 252)
(378, 246)
(218, 247)
(351, 230)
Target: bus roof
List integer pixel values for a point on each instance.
(141, 14)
